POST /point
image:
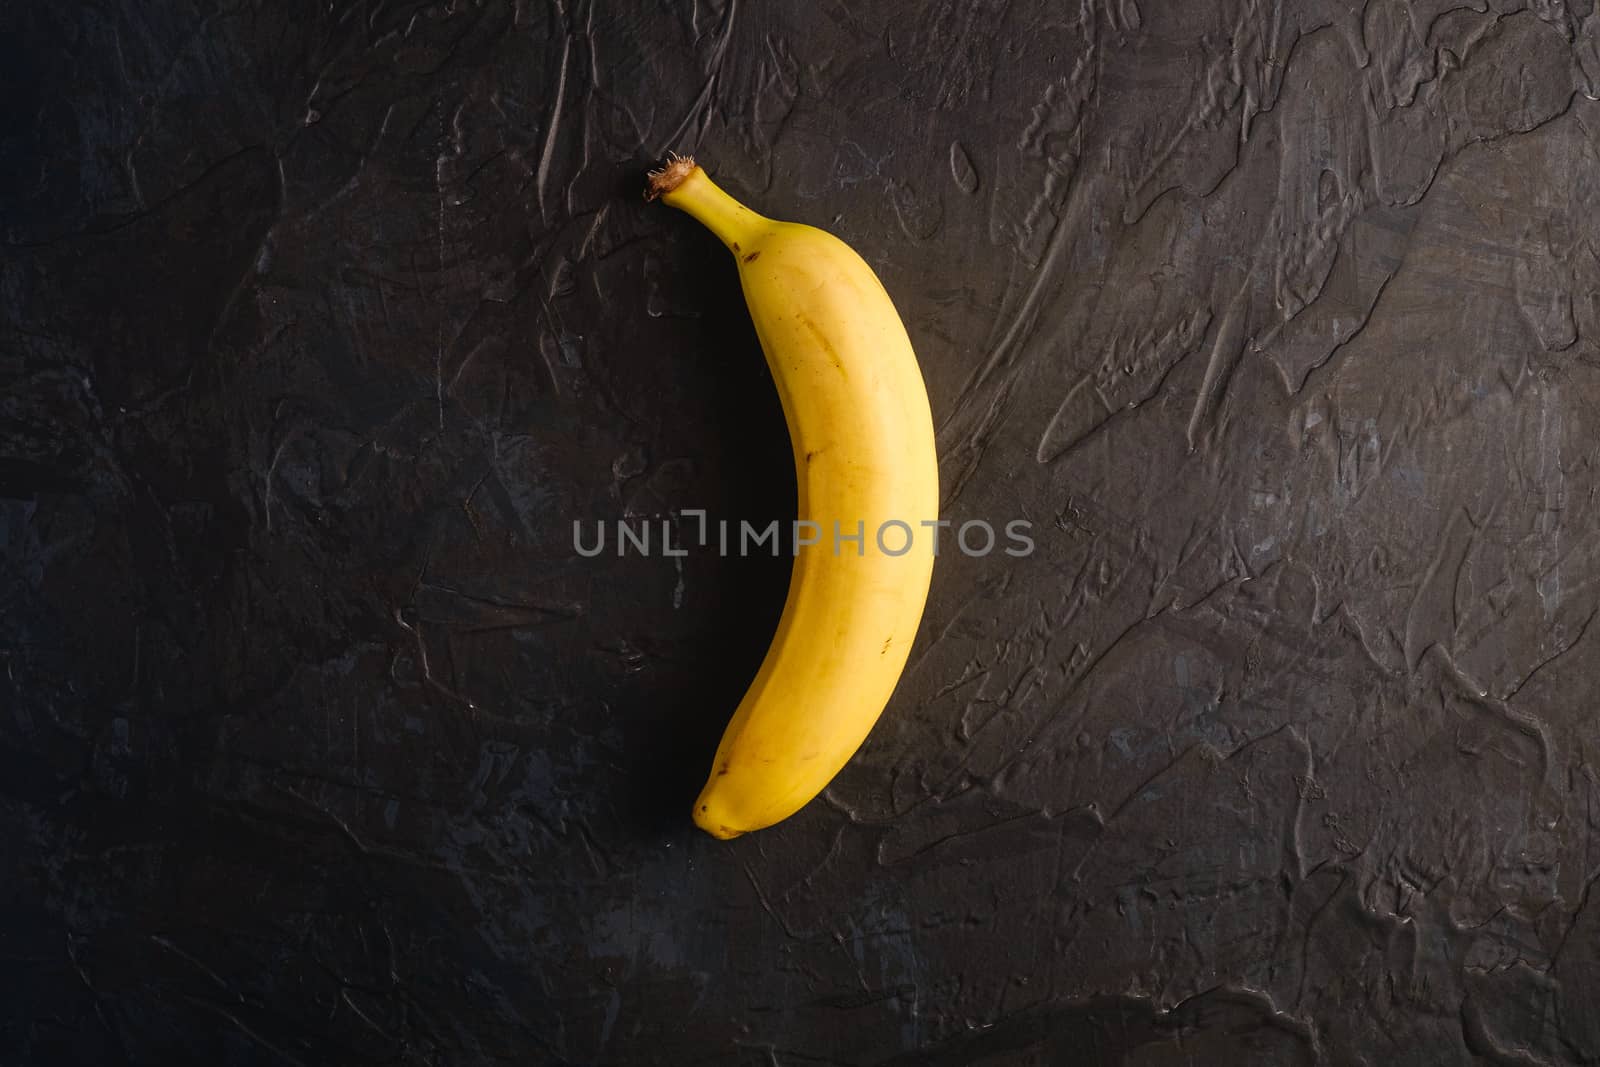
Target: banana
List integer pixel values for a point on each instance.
(859, 421)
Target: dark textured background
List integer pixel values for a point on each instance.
(320, 323)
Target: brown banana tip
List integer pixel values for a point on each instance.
(669, 175)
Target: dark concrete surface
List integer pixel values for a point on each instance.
(321, 323)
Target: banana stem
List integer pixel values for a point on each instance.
(684, 185)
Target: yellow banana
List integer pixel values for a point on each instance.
(864, 456)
